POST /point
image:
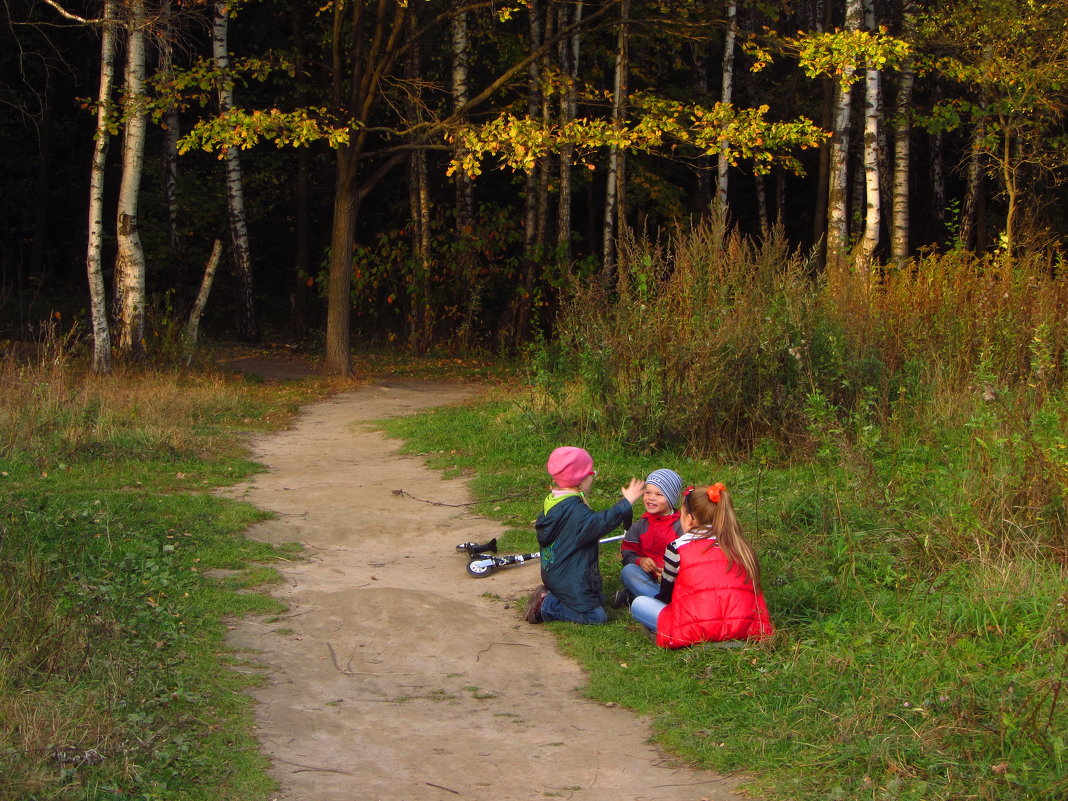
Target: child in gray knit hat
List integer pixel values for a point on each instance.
(645, 542)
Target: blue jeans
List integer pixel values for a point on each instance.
(646, 610)
(637, 581)
(552, 608)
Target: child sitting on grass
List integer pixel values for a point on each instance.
(710, 590)
(569, 534)
(644, 543)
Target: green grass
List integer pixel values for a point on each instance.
(112, 654)
(913, 660)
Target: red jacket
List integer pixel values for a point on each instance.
(650, 536)
(710, 603)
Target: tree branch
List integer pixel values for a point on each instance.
(73, 17)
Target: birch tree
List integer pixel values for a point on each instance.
(94, 265)
(460, 47)
(872, 124)
(130, 260)
(899, 239)
(615, 177)
(235, 193)
(726, 96)
(838, 186)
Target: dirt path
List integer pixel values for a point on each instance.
(395, 676)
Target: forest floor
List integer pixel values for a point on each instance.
(394, 675)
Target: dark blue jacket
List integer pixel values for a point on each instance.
(568, 535)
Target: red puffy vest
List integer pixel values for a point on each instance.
(710, 603)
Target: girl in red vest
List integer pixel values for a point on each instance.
(710, 589)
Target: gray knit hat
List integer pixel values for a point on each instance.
(669, 482)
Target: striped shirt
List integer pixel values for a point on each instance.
(671, 561)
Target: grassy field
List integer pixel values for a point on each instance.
(890, 677)
(896, 445)
(118, 568)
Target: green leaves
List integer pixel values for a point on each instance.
(243, 129)
(844, 54)
(656, 125)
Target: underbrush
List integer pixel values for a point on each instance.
(111, 622)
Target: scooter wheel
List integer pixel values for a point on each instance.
(480, 568)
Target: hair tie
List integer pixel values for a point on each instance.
(714, 491)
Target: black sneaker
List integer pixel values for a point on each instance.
(532, 611)
(621, 598)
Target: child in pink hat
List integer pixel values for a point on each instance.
(569, 532)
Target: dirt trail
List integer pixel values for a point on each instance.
(393, 677)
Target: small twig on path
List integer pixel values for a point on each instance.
(333, 658)
(693, 784)
(446, 789)
(405, 494)
(593, 781)
(337, 667)
(304, 768)
(516, 644)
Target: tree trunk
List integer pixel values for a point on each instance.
(235, 193)
(759, 181)
(460, 42)
(41, 185)
(1012, 191)
(171, 130)
(615, 201)
(726, 96)
(420, 313)
(339, 280)
(838, 168)
(93, 261)
(872, 124)
(821, 14)
(569, 59)
(534, 183)
(130, 261)
(899, 245)
(974, 175)
(192, 327)
(703, 183)
(938, 184)
(298, 296)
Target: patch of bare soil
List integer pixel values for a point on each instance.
(394, 675)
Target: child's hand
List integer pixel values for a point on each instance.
(633, 491)
(647, 564)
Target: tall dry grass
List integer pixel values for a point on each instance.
(720, 345)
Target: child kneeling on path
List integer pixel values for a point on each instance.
(644, 543)
(569, 534)
(710, 590)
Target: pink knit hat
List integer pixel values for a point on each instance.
(569, 466)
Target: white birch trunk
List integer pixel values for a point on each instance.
(93, 259)
(461, 59)
(130, 261)
(616, 177)
(235, 193)
(460, 42)
(192, 327)
(899, 240)
(873, 194)
(838, 188)
(726, 96)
